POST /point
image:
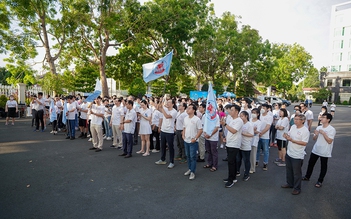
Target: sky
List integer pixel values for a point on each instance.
(305, 22)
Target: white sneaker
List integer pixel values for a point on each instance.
(51, 132)
(187, 173)
(160, 162)
(104, 137)
(108, 138)
(154, 139)
(155, 151)
(192, 176)
(170, 166)
(88, 136)
(221, 146)
(59, 129)
(90, 139)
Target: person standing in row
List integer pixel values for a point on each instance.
(97, 111)
(117, 118)
(145, 115)
(11, 109)
(71, 117)
(39, 116)
(322, 149)
(155, 121)
(256, 122)
(282, 127)
(233, 143)
(211, 142)
(167, 132)
(181, 114)
(128, 127)
(298, 137)
(192, 129)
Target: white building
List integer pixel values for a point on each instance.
(338, 77)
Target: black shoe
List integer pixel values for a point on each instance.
(305, 178)
(92, 148)
(124, 154)
(72, 138)
(120, 148)
(68, 137)
(112, 146)
(98, 150)
(81, 135)
(229, 184)
(225, 180)
(225, 159)
(128, 156)
(200, 160)
(286, 186)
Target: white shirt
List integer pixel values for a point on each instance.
(117, 113)
(71, 115)
(11, 103)
(59, 105)
(168, 124)
(265, 120)
(156, 115)
(83, 106)
(256, 137)
(297, 151)
(245, 140)
(234, 140)
(275, 116)
(285, 123)
(309, 116)
(332, 107)
(130, 127)
(192, 126)
(321, 147)
(180, 120)
(40, 106)
(215, 136)
(97, 120)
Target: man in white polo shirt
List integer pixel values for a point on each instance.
(97, 111)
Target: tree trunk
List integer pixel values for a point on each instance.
(103, 80)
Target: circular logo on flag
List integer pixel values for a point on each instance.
(211, 110)
(160, 67)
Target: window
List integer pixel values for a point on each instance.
(337, 44)
(340, 58)
(337, 32)
(342, 44)
(343, 31)
(329, 83)
(333, 68)
(349, 67)
(346, 82)
(349, 56)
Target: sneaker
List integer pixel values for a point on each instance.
(226, 180)
(251, 172)
(256, 164)
(108, 138)
(183, 161)
(104, 137)
(281, 164)
(170, 166)
(305, 178)
(51, 132)
(265, 167)
(192, 176)
(6, 123)
(277, 160)
(160, 162)
(155, 151)
(90, 139)
(229, 184)
(112, 146)
(59, 129)
(246, 178)
(87, 135)
(237, 174)
(221, 146)
(187, 173)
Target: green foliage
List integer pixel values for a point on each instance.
(158, 87)
(186, 84)
(20, 73)
(137, 88)
(52, 83)
(312, 79)
(3, 100)
(321, 94)
(345, 102)
(204, 87)
(3, 75)
(338, 101)
(350, 101)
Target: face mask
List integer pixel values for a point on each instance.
(243, 105)
(226, 113)
(254, 116)
(263, 111)
(11, 98)
(323, 111)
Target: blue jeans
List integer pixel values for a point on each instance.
(72, 130)
(108, 129)
(243, 155)
(264, 144)
(190, 151)
(127, 143)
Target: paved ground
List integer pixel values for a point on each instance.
(47, 176)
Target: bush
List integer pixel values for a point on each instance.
(345, 102)
(3, 100)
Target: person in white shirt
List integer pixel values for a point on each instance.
(116, 122)
(233, 143)
(298, 137)
(332, 109)
(273, 130)
(325, 103)
(192, 129)
(156, 116)
(145, 115)
(59, 112)
(282, 127)
(211, 142)
(11, 109)
(266, 122)
(202, 149)
(166, 128)
(96, 112)
(83, 109)
(181, 114)
(71, 117)
(247, 133)
(107, 119)
(308, 114)
(256, 122)
(322, 149)
(40, 105)
(128, 126)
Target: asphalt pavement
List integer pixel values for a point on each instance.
(46, 176)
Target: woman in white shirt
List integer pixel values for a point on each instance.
(256, 122)
(145, 115)
(245, 148)
(282, 127)
(11, 108)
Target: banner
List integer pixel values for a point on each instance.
(52, 110)
(64, 117)
(154, 70)
(97, 92)
(211, 111)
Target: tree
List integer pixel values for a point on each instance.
(312, 78)
(52, 83)
(36, 25)
(137, 88)
(20, 73)
(4, 73)
(321, 94)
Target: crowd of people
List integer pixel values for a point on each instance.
(176, 125)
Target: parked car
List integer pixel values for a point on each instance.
(251, 100)
(286, 102)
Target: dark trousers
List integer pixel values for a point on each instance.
(127, 143)
(211, 148)
(34, 117)
(324, 166)
(39, 117)
(272, 133)
(136, 132)
(232, 153)
(72, 128)
(89, 127)
(243, 155)
(167, 138)
(59, 120)
(155, 134)
(293, 172)
(180, 145)
(54, 125)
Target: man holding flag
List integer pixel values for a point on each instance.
(211, 128)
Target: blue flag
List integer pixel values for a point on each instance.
(64, 118)
(97, 92)
(154, 70)
(211, 111)
(53, 113)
